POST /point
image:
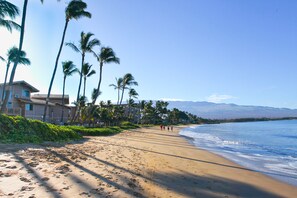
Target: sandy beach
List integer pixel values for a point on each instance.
(145, 162)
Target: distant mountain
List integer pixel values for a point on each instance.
(231, 111)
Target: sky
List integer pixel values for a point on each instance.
(223, 51)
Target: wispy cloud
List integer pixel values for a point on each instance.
(171, 99)
(217, 98)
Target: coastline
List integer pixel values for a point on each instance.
(144, 162)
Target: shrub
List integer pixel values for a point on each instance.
(95, 131)
(128, 125)
(21, 130)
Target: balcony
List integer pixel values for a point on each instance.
(14, 111)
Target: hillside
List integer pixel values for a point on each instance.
(231, 111)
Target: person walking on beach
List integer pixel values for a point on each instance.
(161, 127)
(168, 128)
(171, 128)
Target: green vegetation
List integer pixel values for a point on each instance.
(95, 131)
(17, 129)
(21, 130)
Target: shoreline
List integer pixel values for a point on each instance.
(145, 162)
(276, 176)
(250, 183)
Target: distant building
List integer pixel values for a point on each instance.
(22, 102)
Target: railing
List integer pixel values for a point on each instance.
(14, 111)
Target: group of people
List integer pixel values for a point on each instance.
(168, 128)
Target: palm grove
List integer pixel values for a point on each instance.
(86, 111)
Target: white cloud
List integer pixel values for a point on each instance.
(171, 99)
(217, 98)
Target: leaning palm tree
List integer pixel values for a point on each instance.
(87, 72)
(8, 9)
(22, 27)
(12, 56)
(74, 10)
(118, 86)
(86, 44)
(12, 74)
(128, 81)
(68, 69)
(106, 55)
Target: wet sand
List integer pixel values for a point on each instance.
(144, 162)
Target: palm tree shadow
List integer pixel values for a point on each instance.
(37, 176)
(198, 160)
(191, 185)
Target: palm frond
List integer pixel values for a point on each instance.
(76, 10)
(91, 73)
(93, 43)
(6, 24)
(24, 61)
(69, 68)
(1, 58)
(8, 9)
(73, 46)
(81, 14)
(107, 55)
(14, 55)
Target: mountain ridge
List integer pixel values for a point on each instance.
(231, 111)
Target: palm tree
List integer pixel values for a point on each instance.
(94, 93)
(106, 55)
(132, 94)
(22, 27)
(10, 10)
(74, 10)
(86, 44)
(118, 86)
(68, 69)
(12, 56)
(87, 72)
(7, 92)
(128, 81)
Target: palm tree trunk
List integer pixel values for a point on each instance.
(118, 95)
(85, 82)
(122, 95)
(78, 91)
(5, 80)
(80, 78)
(7, 92)
(54, 72)
(99, 84)
(62, 116)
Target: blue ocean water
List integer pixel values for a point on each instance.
(268, 147)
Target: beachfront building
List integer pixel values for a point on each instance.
(22, 102)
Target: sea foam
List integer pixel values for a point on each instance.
(262, 146)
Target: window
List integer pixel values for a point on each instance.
(10, 94)
(26, 93)
(9, 105)
(29, 107)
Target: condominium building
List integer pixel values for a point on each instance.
(22, 101)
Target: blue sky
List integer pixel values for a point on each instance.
(230, 51)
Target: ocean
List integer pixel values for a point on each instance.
(268, 147)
